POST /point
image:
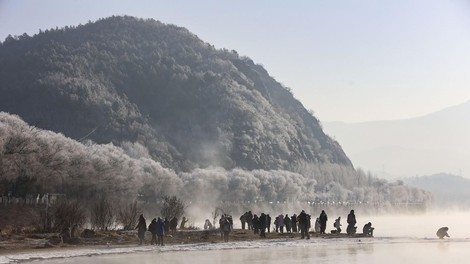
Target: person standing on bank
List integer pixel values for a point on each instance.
(351, 229)
(323, 219)
(303, 224)
(262, 225)
(293, 221)
(141, 229)
(226, 227)
(287, 223)
(153, 230)
(281, 223)
(268, 223)
(160, 226)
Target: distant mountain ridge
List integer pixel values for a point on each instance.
(183, 102)
(434, 143)
(448, 190)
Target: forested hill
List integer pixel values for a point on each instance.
(161, 91)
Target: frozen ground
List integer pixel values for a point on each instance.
(398, 239)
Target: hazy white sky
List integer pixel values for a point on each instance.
(347, 60)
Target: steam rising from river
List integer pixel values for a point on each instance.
(218, 184)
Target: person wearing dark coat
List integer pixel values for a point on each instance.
(141, 228)
(287, 223)
(303, 224)
(280, 222)
(309, 222)
(230, 221)
(255, 223)
(243, 220)
(166, 225)
(337, 225)
(323, 219)
(173, 224)
(293, 221)
(442, 232)
(368, 230)
(262, 225)
(227, 227)
(276, 223)
(221, 226)
(268, 223)
(249, 220)
(183, 222)
(351, 229)
(160, 230)
(153, 230)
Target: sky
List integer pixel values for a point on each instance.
(346, 60)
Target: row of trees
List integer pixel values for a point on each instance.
(72, 214)
(37, 161)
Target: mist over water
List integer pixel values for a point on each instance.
(420, 225)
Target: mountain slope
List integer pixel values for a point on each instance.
(448, 190)
(425, 145)
(126, 80)
(152, 110)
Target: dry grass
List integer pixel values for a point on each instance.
(19, 219)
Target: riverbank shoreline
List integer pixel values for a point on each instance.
(44, 243)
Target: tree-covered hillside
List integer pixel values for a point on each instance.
(135, 108)
(126, 80)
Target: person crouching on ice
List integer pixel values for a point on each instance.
(368, 230)
(442, 232)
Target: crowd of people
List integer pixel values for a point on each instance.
(299, 223)
(158, 228)
(260, 225)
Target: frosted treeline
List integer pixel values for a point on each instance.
(34, 161)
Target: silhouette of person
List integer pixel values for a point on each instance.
(262, 225)
(160, 226)
(141, 228)
(351, 229)
(368, 230)
(303, 220)
(293, 221)
(207, 225)
(337, 224)
(153, 229)
(183, 222)
(323, 218)
(442, 232)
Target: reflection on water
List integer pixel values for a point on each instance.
(386, 252)
(443, 246)
(363, 248)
